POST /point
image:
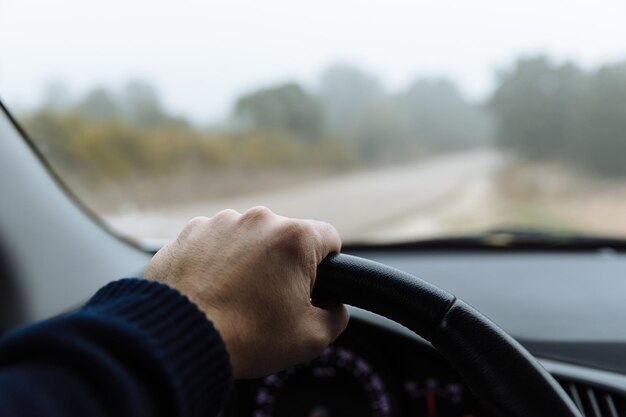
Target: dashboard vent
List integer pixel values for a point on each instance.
(594, 401)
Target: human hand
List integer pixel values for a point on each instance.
(252, 275)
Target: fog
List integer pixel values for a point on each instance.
(203, 54)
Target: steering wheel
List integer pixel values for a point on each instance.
(498, 370)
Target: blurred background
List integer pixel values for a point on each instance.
(394, 120)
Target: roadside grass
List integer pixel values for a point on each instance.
(550, 197)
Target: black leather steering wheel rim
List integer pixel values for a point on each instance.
(502, 374)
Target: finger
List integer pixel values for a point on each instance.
(197, 227)
(329, 239)
(192, 225)
(226, 214)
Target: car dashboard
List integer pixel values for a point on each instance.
(572, 322)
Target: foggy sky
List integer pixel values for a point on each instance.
(202, 54)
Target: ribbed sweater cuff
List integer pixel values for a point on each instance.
(192, 351)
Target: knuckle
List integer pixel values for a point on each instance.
(330, 228)
(257, 213)
(293, 233)
(197, 221)
(161, 263)
(327, 229)
(224, 214)
(193, 224)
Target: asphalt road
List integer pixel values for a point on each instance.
(357, 204)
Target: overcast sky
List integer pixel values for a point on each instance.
(202, 54)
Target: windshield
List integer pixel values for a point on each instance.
(394, 120)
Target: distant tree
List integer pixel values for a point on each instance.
(600, 135)
(432, 115)
(346, 92)
(141, 104)
(99, 104)
(436, 116)
(536, 106)
(378, 133)
(284, 108)
(560, 112)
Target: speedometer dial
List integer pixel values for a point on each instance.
(339, 383)
(434, 397)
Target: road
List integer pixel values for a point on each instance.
(382, 204)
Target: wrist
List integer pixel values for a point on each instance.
(231, 332)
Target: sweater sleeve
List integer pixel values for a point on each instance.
(137, 348)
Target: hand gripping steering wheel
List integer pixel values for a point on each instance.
(499, 371)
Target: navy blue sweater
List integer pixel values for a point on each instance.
(137, 348)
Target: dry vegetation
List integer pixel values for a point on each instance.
(551, 196)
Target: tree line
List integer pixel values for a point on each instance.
(539, 110)
(112, 136)
(560, 112)
(351, 106)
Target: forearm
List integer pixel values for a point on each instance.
(136, 348)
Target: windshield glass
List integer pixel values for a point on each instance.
(394, 120)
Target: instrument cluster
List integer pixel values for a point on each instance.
(367, 372)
